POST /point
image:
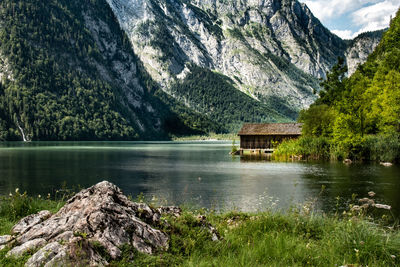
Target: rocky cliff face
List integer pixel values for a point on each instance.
(274, 50)
(118, 66)
(360, 48)
(5, 70)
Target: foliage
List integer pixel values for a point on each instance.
(334, 84)
(217, 98)
(234, 148)
(361, 114)
(313, 148)
(55, 93)
(384, 148)
(17, 205)
(317, 121)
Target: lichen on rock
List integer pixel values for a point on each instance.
(98, 216)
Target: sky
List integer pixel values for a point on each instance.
(348, 18)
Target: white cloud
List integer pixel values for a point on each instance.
(364, 15)
(375, 17)
(346, 34)
(327, 9)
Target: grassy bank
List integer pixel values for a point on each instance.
(380, 148)
(295, 238)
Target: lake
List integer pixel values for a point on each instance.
(200, 174)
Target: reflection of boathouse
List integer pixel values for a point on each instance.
(264, 136)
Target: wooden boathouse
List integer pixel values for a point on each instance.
(262, 137)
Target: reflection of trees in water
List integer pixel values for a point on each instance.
(345, 181)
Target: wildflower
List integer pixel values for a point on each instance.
(356, 208)
(39, 196)
(371, 193)
(362, 242)
(16, 190)
(356, 250)
(10, 194)
(393, 256)
(48, 195)
(365, 206)
(381, 206)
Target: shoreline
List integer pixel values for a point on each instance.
(298, 236)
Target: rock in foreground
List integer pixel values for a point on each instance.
(100, 216)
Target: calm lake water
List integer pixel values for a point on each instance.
(195, 173)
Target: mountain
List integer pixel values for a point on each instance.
(274, 51)
(145, 69)
(68, 72)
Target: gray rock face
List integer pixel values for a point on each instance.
(360, 48)
(272, 49)
(98, 216)
(120, 69)
(4, 241)
(30, 245)
(28, 222)
(5, 70)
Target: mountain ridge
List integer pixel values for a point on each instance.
(258, 44)
(176, 67)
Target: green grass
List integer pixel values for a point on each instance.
(16, 206)
(314, 148)
(274, 239)
(379, 148)
(295, 238)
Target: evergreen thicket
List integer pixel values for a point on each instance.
(217, 98)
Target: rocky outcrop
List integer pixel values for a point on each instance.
(5, 68)
(360, 48)
(97, 219)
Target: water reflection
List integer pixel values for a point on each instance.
(198, 173)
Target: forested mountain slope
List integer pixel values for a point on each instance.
(360, 115)
(130, 69)
(68, 72)
(71, 74)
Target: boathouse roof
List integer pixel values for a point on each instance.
(271, 129)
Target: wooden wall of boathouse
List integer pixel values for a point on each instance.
(263, 141)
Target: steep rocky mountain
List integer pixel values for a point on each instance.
(272, 50)
(68, 72)
(144, 69)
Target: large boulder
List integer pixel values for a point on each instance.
(100, 216)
